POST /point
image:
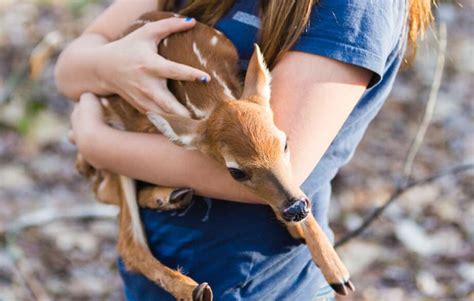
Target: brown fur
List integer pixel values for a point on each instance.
(223, 127)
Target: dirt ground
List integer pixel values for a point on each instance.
(421, 249)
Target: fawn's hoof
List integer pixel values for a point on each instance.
(343, 288)
(165, 198)
(202, 293)
(181, 196)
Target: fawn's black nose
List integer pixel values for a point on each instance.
(296, 210)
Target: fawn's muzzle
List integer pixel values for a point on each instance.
(296, 210)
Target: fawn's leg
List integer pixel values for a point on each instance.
(296, 231)
(107, 189)
(164, 198)
(104, 184)
(323, 254)
(133, 249)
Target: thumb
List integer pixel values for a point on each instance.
(91, 105)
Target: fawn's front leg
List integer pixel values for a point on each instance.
(323, 254)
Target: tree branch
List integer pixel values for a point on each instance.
(406, 183)
(395, 195)
(430, 105)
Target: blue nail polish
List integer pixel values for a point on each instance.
(188, 19)
(204, 79)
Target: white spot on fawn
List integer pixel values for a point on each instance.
(214, 41)
(200, 114)
(230, 161)
(129, 191)
(117, 124)
(104, 102)
(186, 140)
(227, 91)
(165, 42)
(199, 56)
(163, 126)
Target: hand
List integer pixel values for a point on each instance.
(86, 120)
(132, 68)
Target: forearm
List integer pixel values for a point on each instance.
(152, 158)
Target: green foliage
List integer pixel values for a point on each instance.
(32, 109)
(76, 7)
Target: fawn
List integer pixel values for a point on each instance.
(232, 124)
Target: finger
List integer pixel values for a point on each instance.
(176, 71)
(90, 102)
(74, 118)
(150, 106)
(145, 103)
(170, 104)
(90, 105)
(75, 111)
(88, 97)
(163, 28)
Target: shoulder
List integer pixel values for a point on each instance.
(351, 16)
(358, 32)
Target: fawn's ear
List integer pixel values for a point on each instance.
(183, 131)
(257, 79)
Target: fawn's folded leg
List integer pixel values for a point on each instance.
(164, 198)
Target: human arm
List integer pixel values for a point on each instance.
(310, 105)
(95, 62)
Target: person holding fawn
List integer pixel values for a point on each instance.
(332, 65)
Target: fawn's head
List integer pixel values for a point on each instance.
(242, 135)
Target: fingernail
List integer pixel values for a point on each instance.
(204, 79)
(188, 19)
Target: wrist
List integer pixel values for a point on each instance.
(99, 71)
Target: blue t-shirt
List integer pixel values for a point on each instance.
(241, 250)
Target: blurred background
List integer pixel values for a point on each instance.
(57, 243)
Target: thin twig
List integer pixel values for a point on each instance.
(430, 105)
(395, 195)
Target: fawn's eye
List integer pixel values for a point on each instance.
(238, 174)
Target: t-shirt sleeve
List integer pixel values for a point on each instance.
(357, 32)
